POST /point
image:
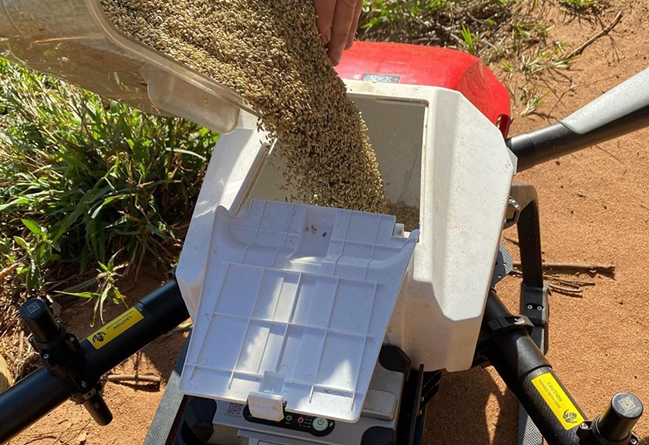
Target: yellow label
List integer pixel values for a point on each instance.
(114, 328)
(557, 400)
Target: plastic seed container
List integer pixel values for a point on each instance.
(73, 39)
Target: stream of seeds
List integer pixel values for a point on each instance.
(270, 53)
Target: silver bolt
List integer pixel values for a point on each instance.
(529, 306)
(83, 383)
(539, 308)
(71, 338)
(583, 426)
(46, 356)
(633, 441)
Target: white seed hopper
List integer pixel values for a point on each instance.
(286, 316)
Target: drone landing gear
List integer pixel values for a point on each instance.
(515, 345)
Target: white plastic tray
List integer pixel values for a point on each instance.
(295, 308)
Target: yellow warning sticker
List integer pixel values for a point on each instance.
(114, 328)
(558, 400)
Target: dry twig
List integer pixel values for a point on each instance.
(117, 378)
(183, 327)
(602, 269)
(590, 41)
(4, 273)
(572, 292)
(569, 283)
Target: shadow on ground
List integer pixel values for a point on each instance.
(471, 408)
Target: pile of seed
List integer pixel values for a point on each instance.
(406, 214)
(270, 53)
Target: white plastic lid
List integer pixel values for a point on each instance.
(294, 309)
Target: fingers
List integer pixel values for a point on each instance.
(337, 21)
(325, 10)
(340, 28)
(352, 30)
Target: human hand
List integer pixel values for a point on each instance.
(337, 22)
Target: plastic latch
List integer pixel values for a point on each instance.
(266, 406)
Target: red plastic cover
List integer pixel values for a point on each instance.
(430, 66)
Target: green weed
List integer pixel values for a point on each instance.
(580, 6)
(84, 178)
(541, 59)
(471, 40)
(511, 34)
(464, 24)
(106, 284)
(405, 15)
(531, 97)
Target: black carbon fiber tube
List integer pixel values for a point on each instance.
(29, 400)
(161, 311)
(530, 377)
(40, 392)
(557, 140)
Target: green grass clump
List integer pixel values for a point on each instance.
(405, 16)
(89, 186)
(580, 6)
(511, 36)
(471, 25)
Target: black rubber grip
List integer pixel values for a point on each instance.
(39, 320)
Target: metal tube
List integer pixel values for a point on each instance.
(620, 416)
(98, 409)
(162, 310)
(40, 392)
(557, 140)
(527, 373)
(29, 400)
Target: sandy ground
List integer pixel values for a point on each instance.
(594, 209)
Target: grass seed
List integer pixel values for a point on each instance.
(270, 53)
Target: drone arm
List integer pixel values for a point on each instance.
(622, 110)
